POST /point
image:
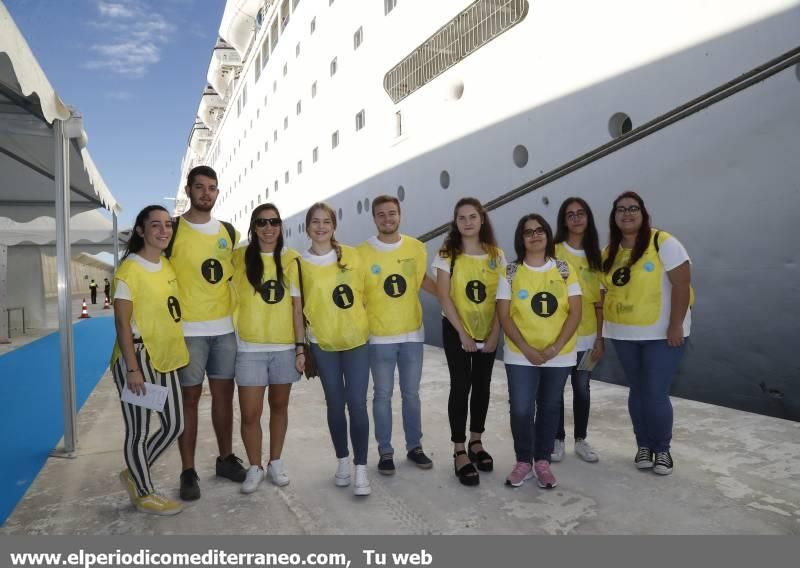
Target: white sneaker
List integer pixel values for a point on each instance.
(558, 451)
(342, 477)
(255, 475)
(361, 485)
(585, 451)
(277, 474)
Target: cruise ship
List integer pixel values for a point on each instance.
(695, 104)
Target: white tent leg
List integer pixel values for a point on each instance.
(64, 290)
(4, 295)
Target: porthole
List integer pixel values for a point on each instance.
(366, 205)
(797, 71)
(359, 207)
(520, 156)
(340, 213)
(401, 193)
(444, 179)
(619, 124)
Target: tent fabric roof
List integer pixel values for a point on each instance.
(28, 107)
(90, 227)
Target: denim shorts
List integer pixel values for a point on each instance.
(212, 355)
(263, 368)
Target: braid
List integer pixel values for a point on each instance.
(338, 248)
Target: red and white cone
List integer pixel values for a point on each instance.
(84, 311)
(106, 305)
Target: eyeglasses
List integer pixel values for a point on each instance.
(530, 233)
(261, 222)
(574, 216)
(632, 210)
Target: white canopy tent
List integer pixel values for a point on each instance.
(45, 171)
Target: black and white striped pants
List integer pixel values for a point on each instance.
(141, 449)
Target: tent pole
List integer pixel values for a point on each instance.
(116, 241)
(4, 331)
(62, 188)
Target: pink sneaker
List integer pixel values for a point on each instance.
(522, 472)
(544, 476)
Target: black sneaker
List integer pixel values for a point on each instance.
(663, 463)
(386, 464)
(418, 457)
(231, 468)
(190, 489)
(644, 458)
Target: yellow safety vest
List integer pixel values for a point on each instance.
(265, 315)
(334, 302)
(473, 289)
(634, 294)
(540, 306)
(157, 312)
(203, 265)
(590, 289)
(392, 286)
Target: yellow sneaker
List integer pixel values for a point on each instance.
(127, 482)
(156, 504)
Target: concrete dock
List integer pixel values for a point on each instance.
(735, 473)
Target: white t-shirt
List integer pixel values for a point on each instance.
(672, 254)
(219, 326)
(123, 292)
(417, 336)
(504, 293)
(248, 347)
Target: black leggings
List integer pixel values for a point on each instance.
(468, 371)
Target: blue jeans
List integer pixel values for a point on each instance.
(345, 378)
(543, 387)
(383, 358)
(580, 403)
(650, 366)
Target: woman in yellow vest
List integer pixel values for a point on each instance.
(468, 267)
(539, 307)
(577, 243)
(270, 341)
(647, 317)
(148, 351)
(332, 279)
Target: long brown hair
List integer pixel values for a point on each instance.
(254, 265)
(615, 234)
(321, 205)
(136, 241)
(453, 243)
(591, 242)
(519, 240)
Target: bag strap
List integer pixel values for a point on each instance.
(563, 268)
(655, 241)
(302, 293)
(231, 233)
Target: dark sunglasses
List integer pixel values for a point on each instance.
(261, 222)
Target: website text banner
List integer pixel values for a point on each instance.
(389, 551)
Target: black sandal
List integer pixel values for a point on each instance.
(482, 459)
(467, 475)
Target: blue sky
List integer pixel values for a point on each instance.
(136, 70)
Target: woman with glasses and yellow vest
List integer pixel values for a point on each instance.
(269, 340)
(539, 307)
(468, 267)
(149, 350)
(577, 243)
(332, 279)
(647, 317)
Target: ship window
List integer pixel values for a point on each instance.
(286, 176)
(619, 124)
(300, 167)
(359, 207)
(274, 34)
(358, 37)
(340, 213)
(366, 205)
(274, 135)
(444, 179)
(276, 185)
(297, 50)
(299, 107)
(244, 96)
(335, 139)
(274, 86)
(315, 154)
(401, 193)
(265, 51)
(313, 25)
(330, 2)
(266, 193)
(259, 199)
(257, 67)
(285, 122)
(285, 69)
(360, 120)
(313, 89)
(520, 155)
(474, 27)
(238, 107)
(266, 146)
(388, 6)
(398, 124)
(265, 100)
(334, 66)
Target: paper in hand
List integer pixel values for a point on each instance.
(154, 398)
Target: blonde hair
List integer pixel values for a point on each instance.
(322, 206)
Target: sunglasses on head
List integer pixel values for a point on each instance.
(261, 222)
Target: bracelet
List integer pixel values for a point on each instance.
(133, 370)
(299, 344)
(296, 355)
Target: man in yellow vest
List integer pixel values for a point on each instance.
(396, 267)
(201, 252)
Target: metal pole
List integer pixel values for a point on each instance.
(116, 241)
(61, 172)
(4, 331)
